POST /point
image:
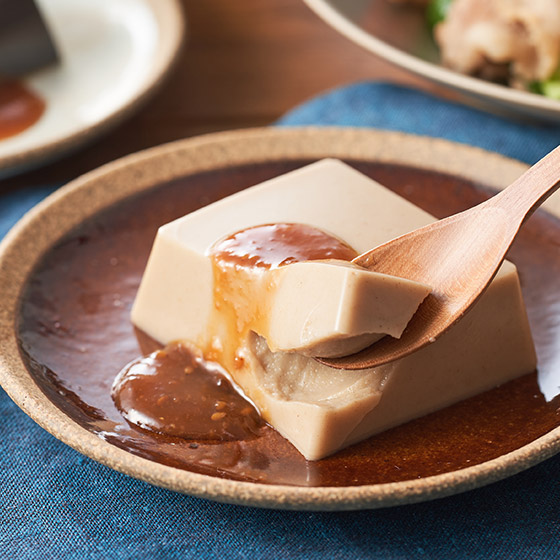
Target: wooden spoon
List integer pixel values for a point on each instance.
(457, 257)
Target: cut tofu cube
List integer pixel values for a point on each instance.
(321, 410)
(175, 298)
(334, 308)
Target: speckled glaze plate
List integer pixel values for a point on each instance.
(400, 35)
(112, 56)
(509, 429)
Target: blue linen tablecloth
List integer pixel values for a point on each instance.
(58, 504)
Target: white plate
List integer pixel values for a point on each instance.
(400, 35)
(113, 53)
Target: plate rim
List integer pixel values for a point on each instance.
(475, 87)
(42, 226)
(168, 50)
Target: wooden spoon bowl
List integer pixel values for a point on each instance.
(458, 257)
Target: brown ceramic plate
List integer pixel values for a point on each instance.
(70, 268)
(400, 35)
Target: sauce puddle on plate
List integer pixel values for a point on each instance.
(20, 108)
(175, 391)
(75, 336)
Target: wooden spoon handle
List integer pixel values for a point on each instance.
(528, 192)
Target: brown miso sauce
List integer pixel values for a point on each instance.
(20, 108)
(75, 335)
(273, 245)
(175, 391)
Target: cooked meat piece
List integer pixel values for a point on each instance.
(522, 33)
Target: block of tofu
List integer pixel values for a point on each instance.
(491, 345)
(319, 409)
(175, 298)
(334, 308)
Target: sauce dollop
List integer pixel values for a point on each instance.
(273, 245)
(20, 108)
(175, 391)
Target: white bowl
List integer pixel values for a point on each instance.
(400, 35)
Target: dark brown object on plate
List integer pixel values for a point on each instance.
(25, 41)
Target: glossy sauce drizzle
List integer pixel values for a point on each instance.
(20, 108)
(243, 288)
(273, 245)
